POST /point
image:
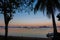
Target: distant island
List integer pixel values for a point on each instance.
(28, 27)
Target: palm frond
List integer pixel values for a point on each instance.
(37, 6)
(49, 5)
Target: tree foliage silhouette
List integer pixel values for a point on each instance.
(7, 8)
(58, 16)
(50, 6)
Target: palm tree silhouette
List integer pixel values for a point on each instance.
(7, 8)
(50, 6)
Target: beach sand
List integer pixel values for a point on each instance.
(23, 38)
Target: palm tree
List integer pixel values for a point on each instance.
(50, 6)
(7, 8)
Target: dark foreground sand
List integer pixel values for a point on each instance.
(24, 38)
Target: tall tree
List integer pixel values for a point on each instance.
(50, 6)
(7, 8)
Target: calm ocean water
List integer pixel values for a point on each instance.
(26, 32)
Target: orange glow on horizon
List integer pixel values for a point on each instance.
(31, 24)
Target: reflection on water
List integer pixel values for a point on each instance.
(35, 32)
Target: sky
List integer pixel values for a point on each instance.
(29, 19)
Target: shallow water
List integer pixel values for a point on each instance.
(26, 32)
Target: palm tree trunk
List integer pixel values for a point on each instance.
(54, 26)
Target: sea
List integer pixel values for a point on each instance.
(28, 32)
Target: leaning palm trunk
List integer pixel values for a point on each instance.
(54, 26)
